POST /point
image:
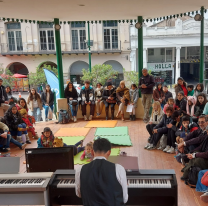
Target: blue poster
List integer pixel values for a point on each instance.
(53, 81)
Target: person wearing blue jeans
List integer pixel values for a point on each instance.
(10, 139)
(47, 98)
(35, 104)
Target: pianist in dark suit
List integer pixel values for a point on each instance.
(101, 182)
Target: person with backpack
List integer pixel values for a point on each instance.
(87, 98)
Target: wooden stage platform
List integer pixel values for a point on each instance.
(147, 159)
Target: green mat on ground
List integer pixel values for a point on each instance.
(116, 131)
(77, 161)
(118, 140)
(72, 140)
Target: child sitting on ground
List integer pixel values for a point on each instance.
(161, 129)
(16, 125)
(190, 89)
(155, 119)
(87, 154)
(187, 127)
(31, 129)
(171, 102)
(47, 139)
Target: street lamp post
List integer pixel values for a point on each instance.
(88, 25)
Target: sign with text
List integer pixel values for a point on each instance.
(161, 66)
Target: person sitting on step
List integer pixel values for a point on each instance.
(99, 98)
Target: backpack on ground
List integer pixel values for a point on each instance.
(193, 176)
(64, 117)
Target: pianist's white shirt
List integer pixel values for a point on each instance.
(120, 174)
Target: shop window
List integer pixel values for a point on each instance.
(169, 55)
(14, 36)
(193, 52)
(150, 52)
(162, 51)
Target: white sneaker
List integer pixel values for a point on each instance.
(85, 117)
(166, 149)
(171, 150)
(90, 117)
(160, 148)
(75, 119)
(148, 144)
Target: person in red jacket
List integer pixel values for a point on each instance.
(30, 127)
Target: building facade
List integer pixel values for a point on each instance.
(26, 46)
(171, 49)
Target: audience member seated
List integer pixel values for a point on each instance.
(87, 98)
(161, 129)
(190, 108)
(134, 95)
(198, 157)
(11, 99)
(122, 94)
(72, 98)
(4, 103)
(155, 119)
(181, 87)
(181, 103)
(16, 125)
(30, 127)
(99, 99)
(158, 94)
(170, 102)
(195, 138)
(200, 104)
(109, 98)
(199, 89)
(167, 93)
(190, 89)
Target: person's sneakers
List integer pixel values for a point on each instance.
(160, 148)
(23, 146)
(28, 142)
(98, 114)
(151, 147)
(90, 117)
(171, 150)
(3, 150)
(72, 118)
(46, 119)
(85, 117)
(148, 144)
(75, 118)
(204, 197)
(8, 148)
(166, 149)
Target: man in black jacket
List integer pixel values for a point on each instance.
(146, 84)
(87, 98)
(4, 104)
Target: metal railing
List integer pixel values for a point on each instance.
(67, 47)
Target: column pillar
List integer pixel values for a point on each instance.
(145, 57)
(59, 59)
(201, 73)
(178, 67)
(140, 49)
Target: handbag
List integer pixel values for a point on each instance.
(73, 102)
(204, 179)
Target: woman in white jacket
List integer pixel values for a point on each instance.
(156, 117)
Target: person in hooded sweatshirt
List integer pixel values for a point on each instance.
(87, 98)
(158, 94)
(190, 107)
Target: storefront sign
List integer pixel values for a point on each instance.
(161, 66)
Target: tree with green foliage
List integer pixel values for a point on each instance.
(39, 78)
(100, 73)
(131, 77)
(6, 75)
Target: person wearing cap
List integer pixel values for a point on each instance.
(109, 98)
(167, 93)
(146, 84)
(4, 104)
(181, 86)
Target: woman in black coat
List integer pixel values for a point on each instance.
(71, 94)
(109, 98)
(47, 98)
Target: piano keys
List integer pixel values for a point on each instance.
(24, 189)
(145, 187)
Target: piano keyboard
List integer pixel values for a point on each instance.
(21, 182)
(132, 183)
